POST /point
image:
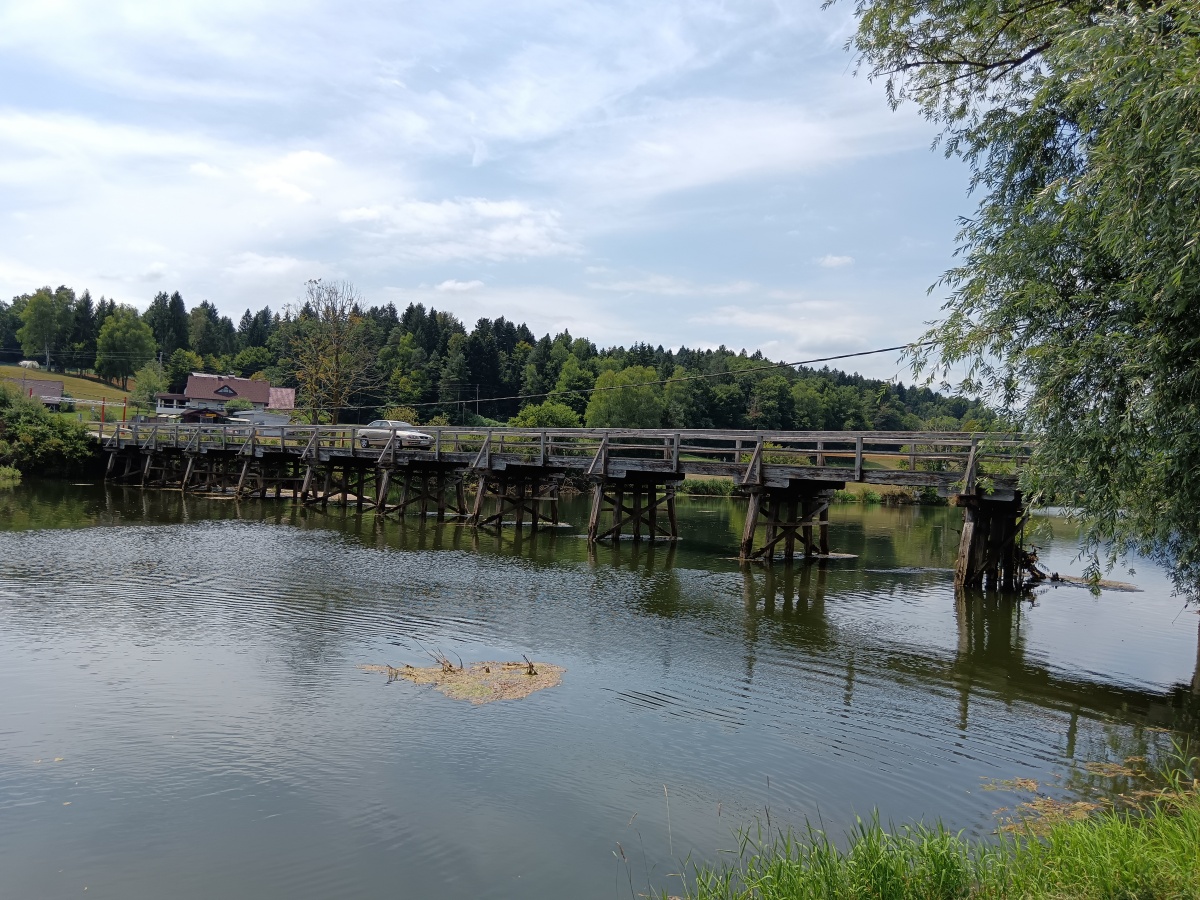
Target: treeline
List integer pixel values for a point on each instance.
(424, 364)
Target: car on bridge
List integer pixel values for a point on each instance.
(379, 432)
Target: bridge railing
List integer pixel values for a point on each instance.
(845, 454)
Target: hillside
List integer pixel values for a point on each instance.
(79, 388)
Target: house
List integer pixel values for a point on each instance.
(49, 392)
(216, 391)
(170, 404)
(212, 393)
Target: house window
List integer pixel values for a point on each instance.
(225, 391)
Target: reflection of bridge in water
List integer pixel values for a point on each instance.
(514, 476)
(990, 660)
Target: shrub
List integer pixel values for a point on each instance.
(706, 487)
(33, 439)
(550, 414)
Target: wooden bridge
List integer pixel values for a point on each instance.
(515, 476)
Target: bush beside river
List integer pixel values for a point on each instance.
(35, 441)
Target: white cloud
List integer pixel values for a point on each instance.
(811, 327)
(829, 261)
(462, 228)
(666, 286)
(285, 175)
(233, 148)
(457, 287)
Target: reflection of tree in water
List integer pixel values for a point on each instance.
(27, 506)
(890, 537)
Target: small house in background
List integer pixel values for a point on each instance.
(49, 392)
(216, 391)
(213, 393)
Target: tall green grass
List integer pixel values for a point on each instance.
(1152, 853)
(707, 487)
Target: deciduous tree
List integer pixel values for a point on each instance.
(124, 345)
(626, 399)
(46, 322)
(327, 354)
(1075, 302)
(150, 379)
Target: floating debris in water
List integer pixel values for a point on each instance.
(482, 682)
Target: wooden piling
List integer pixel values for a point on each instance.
(747, 545)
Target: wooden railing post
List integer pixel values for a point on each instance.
(969, 475)
(858, 458)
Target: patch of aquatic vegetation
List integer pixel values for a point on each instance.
(1131, 785)
(10, 476)
(478, 683)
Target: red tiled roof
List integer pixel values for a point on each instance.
(226, 387)
(282, 398)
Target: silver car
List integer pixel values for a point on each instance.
(379, 432)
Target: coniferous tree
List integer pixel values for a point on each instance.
(83, 333)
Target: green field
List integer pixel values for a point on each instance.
(88, 388)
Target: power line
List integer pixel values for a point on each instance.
(619, 387)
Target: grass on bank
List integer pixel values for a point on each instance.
(1149, 853)
(89, 388)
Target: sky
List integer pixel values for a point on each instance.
(684, 173)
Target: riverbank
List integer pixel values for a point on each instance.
(1151, 853)
(852, 493)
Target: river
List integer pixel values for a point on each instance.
(182, 713)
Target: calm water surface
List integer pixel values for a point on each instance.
(181, 713)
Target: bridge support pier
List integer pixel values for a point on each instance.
(989, 550)
(786, 515)
(343, 487)
(518, 492)
(634, 502)
(440, 489)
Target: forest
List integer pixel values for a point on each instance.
(424, 365)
